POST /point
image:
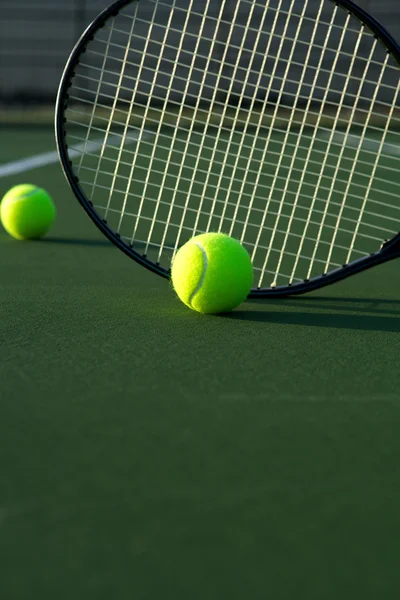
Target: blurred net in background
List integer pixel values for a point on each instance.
(36, 37)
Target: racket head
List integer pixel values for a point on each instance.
(287, 112)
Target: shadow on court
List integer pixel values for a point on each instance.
(366, 314)
(100, 243)
(77, 241)
(367, 305)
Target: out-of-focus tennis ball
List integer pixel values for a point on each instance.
(212, 273)
(27, 212)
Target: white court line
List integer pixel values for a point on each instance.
(368, 143)
(49, 158)
(27, 164)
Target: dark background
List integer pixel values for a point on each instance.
(36, 37)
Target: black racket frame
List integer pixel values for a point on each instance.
(390, 248)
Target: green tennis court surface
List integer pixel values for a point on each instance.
(151, 452)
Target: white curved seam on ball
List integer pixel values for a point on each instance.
(203, 274)
(24, 196)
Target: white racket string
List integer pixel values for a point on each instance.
(275, 121)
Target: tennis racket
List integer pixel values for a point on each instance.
(274, 121)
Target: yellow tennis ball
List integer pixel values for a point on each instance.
(212, 273)
(27, 212)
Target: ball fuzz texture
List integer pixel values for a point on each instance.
(27, 212)
(212, 273)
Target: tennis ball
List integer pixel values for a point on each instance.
(27, 212)
(212, 273)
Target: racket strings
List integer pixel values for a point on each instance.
(389, 149)
(260, 55)
(146, 243)
(230, 135)
(170, 152)
(390, 229)
(280, 160)
(291, 180)
(293, 62)
(341, 153)
(386, 231)
(279, 10)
